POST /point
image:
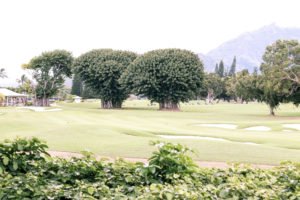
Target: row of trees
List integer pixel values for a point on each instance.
(220, 69)
(277, 82)
(168, 76)
(165, 76)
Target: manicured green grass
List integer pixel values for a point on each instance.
(127, 132)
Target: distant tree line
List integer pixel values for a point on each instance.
(165, 76)
(277, 82)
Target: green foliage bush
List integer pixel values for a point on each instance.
(17, 155)
(170, 174)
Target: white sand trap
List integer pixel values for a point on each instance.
(258, 128)
(287, 130)
(202, 138)
(226, 126)
(40, 109)
(294, 126)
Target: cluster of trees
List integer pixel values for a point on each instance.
(277, 82)
(214, 85)
(167, 76)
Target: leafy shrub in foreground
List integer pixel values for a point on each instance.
(16, 155)
(170, 162)
(170, 174)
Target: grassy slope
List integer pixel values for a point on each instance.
(127, 132)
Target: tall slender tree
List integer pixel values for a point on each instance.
(22, 80)
(77, 86)
(217, 68)
(233, 67)
(221, 69)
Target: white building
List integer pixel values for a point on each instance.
(77, 99)
(12, 98)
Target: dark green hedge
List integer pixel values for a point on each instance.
(170, 174)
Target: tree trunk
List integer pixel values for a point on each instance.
(169, 106)
(272, 111)
(106, 104)
(209, 97)
(198, 100)
(111, 104)
(117, 104)
(161, 106)
(239, 100)
(44, 102)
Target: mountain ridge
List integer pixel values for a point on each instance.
(247, 47)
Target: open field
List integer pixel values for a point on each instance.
(127, 132)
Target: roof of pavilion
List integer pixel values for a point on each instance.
(9, 93)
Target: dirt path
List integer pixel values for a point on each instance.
(200, 163)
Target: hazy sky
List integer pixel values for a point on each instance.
(29, 27)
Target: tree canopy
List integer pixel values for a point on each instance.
(49, 71)
(166, 76)
(211, 87)
(100, 70)
(280, 72)
(243, 86)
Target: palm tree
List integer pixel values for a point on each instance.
(2, 73)
(22, 80)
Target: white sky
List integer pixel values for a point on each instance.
(29, 27)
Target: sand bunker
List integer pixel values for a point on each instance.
(258, 128)
(226, 126)
(40, 109)
(202, 138)
(287, 130)
(294, 126)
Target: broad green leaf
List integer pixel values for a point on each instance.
(169, 196)
(20, 147)
(91, 190)
(5, 160)
(15, 165)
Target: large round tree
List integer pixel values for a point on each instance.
(166, 76)
(100, 70)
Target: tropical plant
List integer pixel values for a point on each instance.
(170, 174)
